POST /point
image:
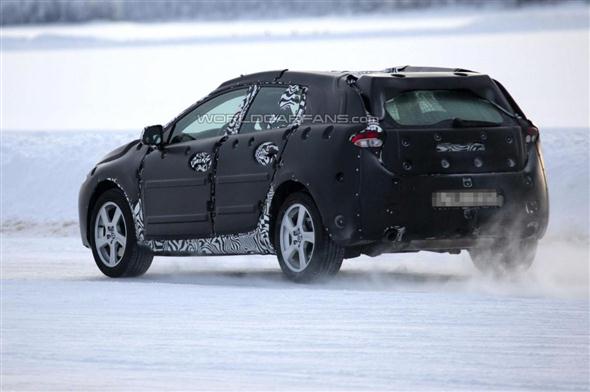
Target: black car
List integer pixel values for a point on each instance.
(316, 167)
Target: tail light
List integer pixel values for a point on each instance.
(532, 133)
(367, 139)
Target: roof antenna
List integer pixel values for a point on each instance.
(280, 75)
(395, 69)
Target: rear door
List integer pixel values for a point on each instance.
(247, 160)
(449, 131)
(176, 187)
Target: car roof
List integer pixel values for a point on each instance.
(335, 84)
(285, 76)
(310, 77)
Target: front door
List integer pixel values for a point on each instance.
(176, 181)
(246, 161)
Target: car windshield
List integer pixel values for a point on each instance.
(430, 107)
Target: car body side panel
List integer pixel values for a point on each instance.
(256, 240)
(246, 165)
(242, 181)
(124, 174)
(322, 159)
(176, 190)
(121, 171)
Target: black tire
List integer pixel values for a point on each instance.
(136, 260)
(505, 257)
(326, 257)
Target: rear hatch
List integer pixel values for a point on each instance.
(450, 150)
(446, 124)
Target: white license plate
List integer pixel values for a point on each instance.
(479, 198)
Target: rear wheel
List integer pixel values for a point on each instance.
(304, 250)
(113, 239)
(505, 257)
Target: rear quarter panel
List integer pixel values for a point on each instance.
(322, 159)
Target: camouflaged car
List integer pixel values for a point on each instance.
(316, 167)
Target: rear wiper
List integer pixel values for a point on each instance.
(461, 123)
(500, 108)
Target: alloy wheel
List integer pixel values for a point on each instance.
(110, 234)
(297, 237)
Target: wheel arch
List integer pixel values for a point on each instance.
(100, 188)
(284, 190)
(122, 172)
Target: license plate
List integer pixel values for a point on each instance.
(479, 198)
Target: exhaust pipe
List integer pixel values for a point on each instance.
(393, 241)
(395, 234)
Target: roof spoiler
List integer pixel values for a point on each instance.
(409, 68)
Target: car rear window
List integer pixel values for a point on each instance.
(429, 107)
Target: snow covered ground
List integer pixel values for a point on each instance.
(413, 322)
(418, 321)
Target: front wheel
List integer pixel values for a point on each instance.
(304, 250)
(506, 257)
(113, 239)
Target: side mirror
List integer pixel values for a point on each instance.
(153, 135)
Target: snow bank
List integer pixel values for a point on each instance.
(453, 20)
(146, 74)
(42, 173)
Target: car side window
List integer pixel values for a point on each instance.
(273, 107)
(210, 118)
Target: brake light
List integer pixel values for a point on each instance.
(367, 139)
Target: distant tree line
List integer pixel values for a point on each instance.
(16, 12)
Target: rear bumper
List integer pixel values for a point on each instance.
(397, 213)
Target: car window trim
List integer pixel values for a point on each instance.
(260, 87)
(170, 128)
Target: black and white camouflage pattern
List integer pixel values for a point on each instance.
(116, 182)
(234, 124)
(291, 99)
(372, 124)
(136, 212)
(294, 99)
(200, 162)
(257, 241)
(266, 153)
(452, 147)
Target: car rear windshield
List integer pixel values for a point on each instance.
(430, 107)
